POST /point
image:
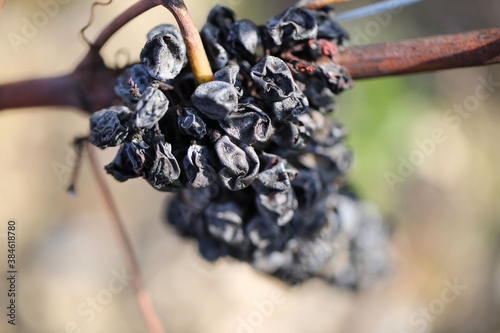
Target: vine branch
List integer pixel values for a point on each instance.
(128, 15)
(475, 48)
(91, 89)
(143, 299)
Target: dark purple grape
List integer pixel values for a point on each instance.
(190, 123)
(225, 222)
(121, 168)
(167, 29)
(229, 74)
(249, 124)
(240, 164)
(136, 152)
(259, 170)
(274, 78)
(150, 109)
(275, 175)
(308, 188)
(290, 107)
(164, 168)
(336, 77)
(216, 53)
(277, 208)
(164, 55)
(215, 99)
(296, 134)
(183, 217)
(319, 94)
(199, 167)
(328, 28)
(332, 161)
(211, 249)
(222, 17)
(109, 127)
(294, 24)
(138, 76)
(243, 38)
(262, 233)
(327, 133)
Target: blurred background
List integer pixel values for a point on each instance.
(444, 208)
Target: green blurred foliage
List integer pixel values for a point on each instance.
(380, 115)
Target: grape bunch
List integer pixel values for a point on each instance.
(256, 162)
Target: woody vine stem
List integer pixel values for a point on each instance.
(90, 87)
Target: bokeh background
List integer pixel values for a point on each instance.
(445, 214)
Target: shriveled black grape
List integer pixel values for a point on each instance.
(296, 134)
(225, 222)
(216, 53)
(222, 17)
(277, 208)
(108, 127)
(211, 249)
(164, 167)
(249, 124)
(319, 95)
(274, 77)
(294, 24)
(262, 233)
(164, 55)
(150, 108)
(199, 167)
(290, 107)
(333, 161)
(328, 28)
(136, 152)
(275, 175)
(327, 133)
(229, 74)
(121, 168)
(308, 187)
(136, 76)
(166, 29)
(240, 164)
(190, 123)
(243, 38)
(215, 99)
(336, 77)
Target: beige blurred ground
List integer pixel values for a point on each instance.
(446, 215)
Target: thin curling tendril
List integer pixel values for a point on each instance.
(91, 20)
